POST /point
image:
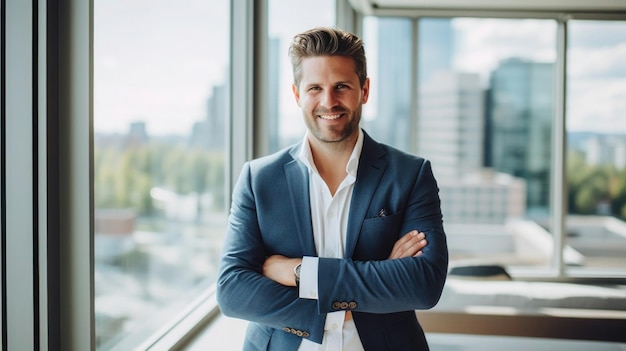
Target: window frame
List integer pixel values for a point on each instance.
(557, 271)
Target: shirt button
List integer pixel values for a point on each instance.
(335, 326)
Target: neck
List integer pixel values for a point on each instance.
(331, 159)
(335, 153)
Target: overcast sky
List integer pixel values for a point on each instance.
(157, 60)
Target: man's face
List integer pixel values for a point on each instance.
(331, 97)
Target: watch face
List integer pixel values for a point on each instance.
(296, 273)
(297, 270)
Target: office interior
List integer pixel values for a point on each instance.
(125, 125)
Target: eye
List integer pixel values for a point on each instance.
(314, 88)
(341, 86)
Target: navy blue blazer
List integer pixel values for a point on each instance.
(271, 214)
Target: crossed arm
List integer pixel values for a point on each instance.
(280, 268)
(259, 288)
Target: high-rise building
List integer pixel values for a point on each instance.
(210, 133)
(217, 116)
(137, 134)
(483, 197)
(519, 110)
(450, 125)
(604, 149)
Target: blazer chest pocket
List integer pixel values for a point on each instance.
(378, 234)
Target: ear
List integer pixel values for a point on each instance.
(365, 90)
(296, 93)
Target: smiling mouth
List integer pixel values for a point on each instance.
(330, 117)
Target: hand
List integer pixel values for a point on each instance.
(410, 244)
(280, 269)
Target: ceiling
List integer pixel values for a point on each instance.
(369, 7)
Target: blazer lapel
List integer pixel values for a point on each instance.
(371, 168)
(298, 183)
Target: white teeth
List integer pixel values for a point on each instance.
(329, 117)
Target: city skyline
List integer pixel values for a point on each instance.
(192, 59)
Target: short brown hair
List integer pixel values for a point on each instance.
(324, 41)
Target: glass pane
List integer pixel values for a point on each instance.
(387, 115)
(596, 147)
(485, 107)
(161, 106)
(286, 19)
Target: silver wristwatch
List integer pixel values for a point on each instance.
(296, 273)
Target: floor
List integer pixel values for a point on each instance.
(226, 334)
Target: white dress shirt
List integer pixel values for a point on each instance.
(330, 221)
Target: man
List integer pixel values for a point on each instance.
(326, 243)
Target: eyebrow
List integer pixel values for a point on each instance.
(344, 82)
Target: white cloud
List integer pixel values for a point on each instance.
(596, 62)
(482, 43)
(597, 105)
(608, 61)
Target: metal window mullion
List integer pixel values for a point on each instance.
(261, 95)
(20, 213)
(240, 133)
(559, 180)
(72, 114)
(347, 18)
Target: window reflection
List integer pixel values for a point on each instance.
(596, 147)
(161, 106)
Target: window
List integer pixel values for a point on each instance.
(161, 108)
(484, 113)
(596, 144)
(485, 95)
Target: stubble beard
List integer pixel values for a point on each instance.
(334, 136)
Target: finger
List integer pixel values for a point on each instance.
(405, 246)
(407, 237)
(408, 245)
(397, 246)
(414, 248)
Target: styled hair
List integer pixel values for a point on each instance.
(324, 41)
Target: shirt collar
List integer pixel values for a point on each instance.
(306, 156)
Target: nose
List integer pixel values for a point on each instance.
(329, 99)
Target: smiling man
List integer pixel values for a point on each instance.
(333, 243)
